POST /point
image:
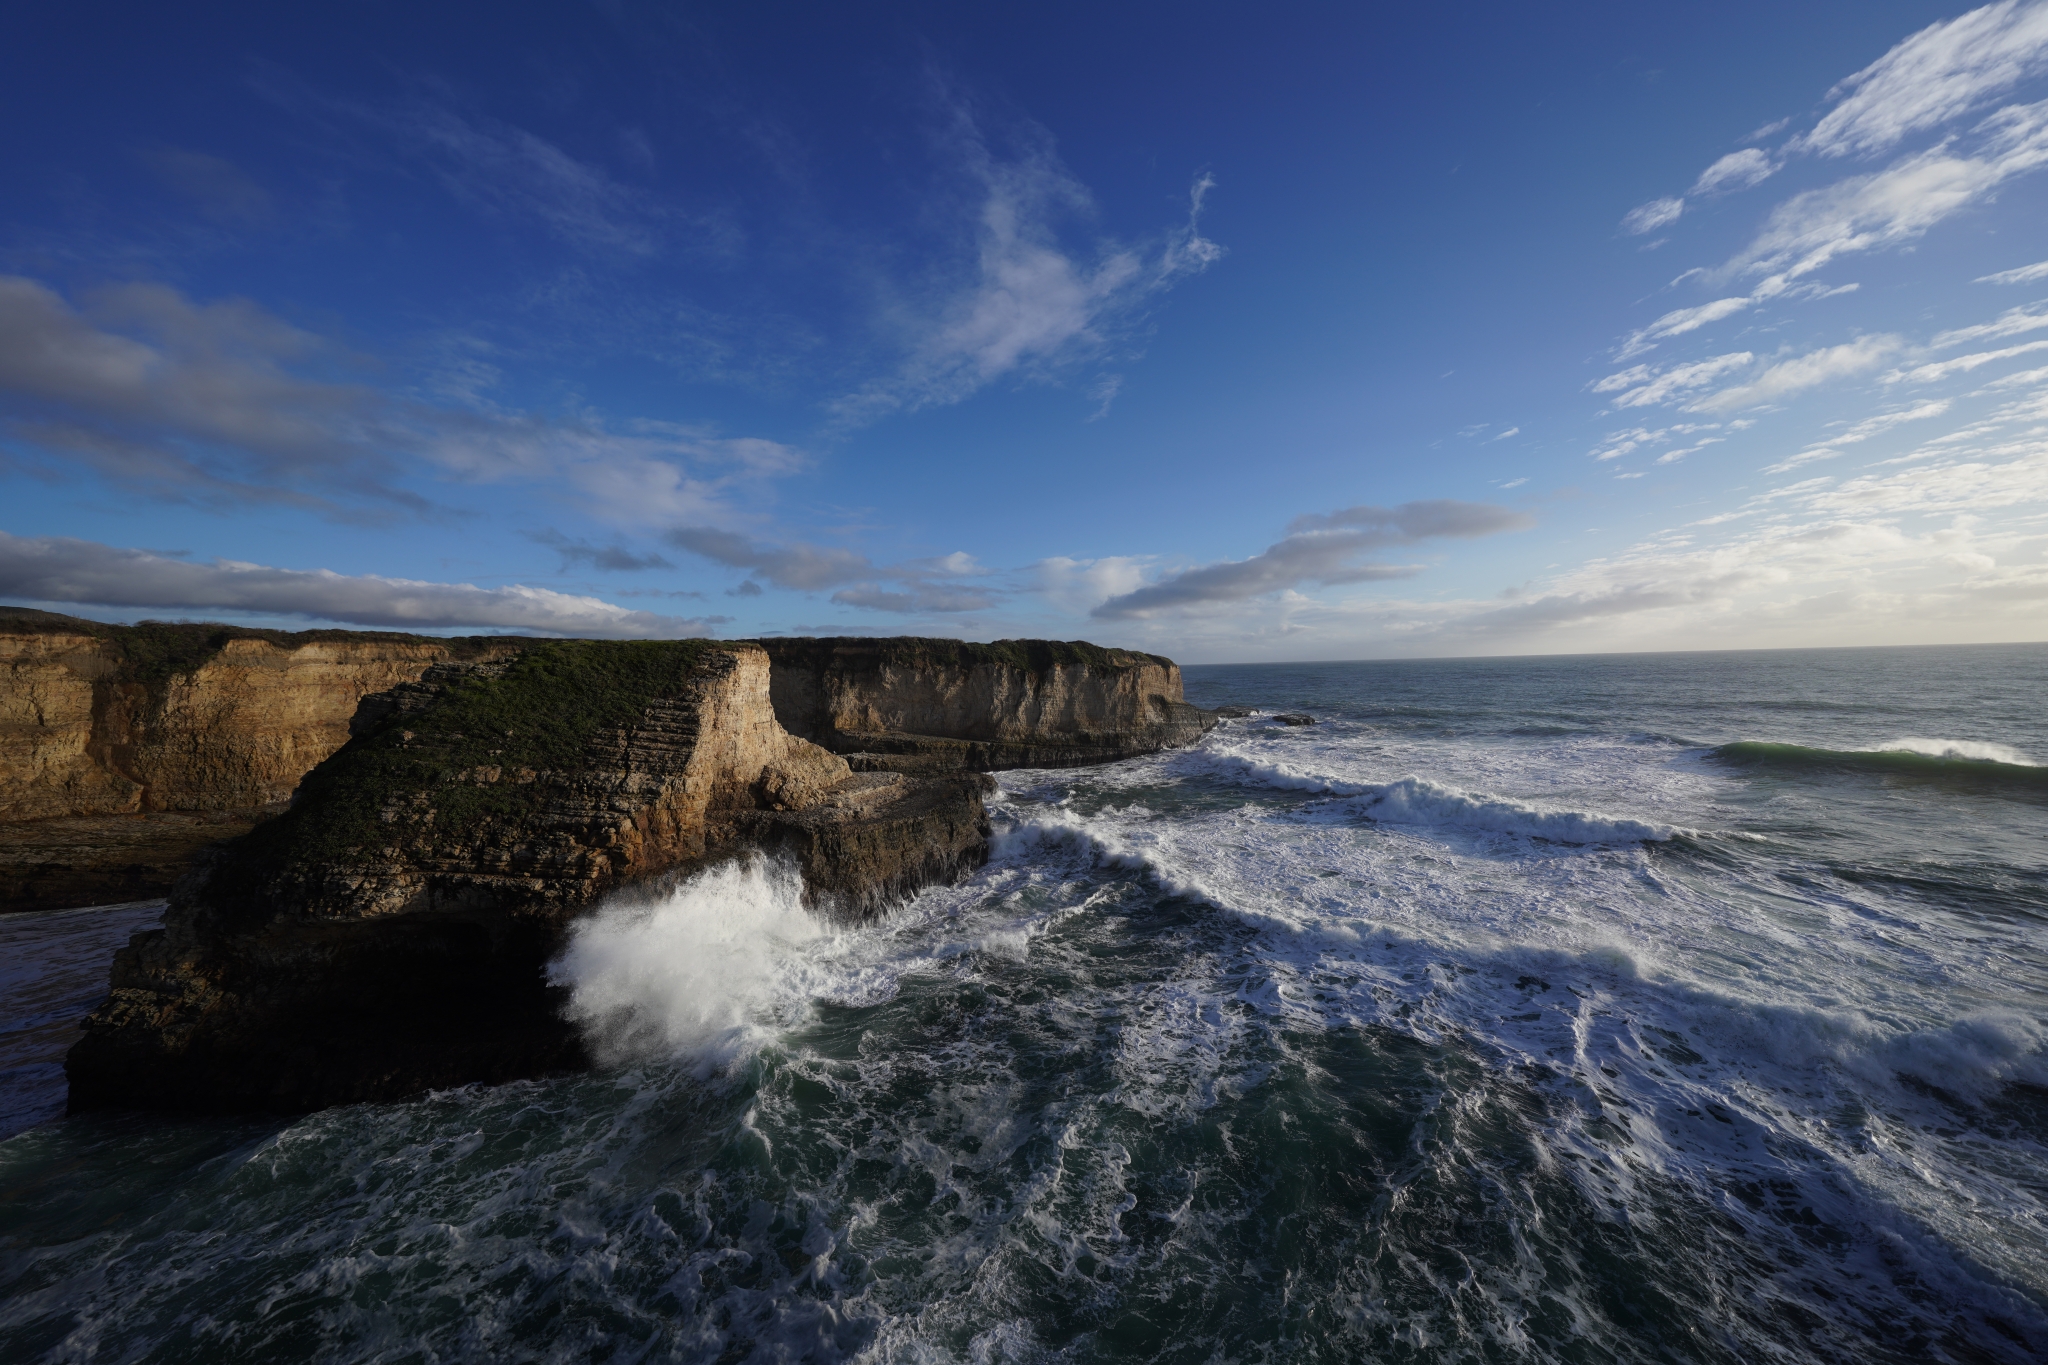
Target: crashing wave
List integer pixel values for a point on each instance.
(1935, 760)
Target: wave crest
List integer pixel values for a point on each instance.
(1934, 760)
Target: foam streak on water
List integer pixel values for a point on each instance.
(1654, 1009)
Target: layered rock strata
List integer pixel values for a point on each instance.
(389, 933)
(124, 749)
(921, 706)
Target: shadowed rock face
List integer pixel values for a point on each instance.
(915, 705)
(390, 932)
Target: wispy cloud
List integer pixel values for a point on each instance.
(1322, 548)
(1644, 387)
(2025, 274)
(1935, 76)
(1935, 371)
(60, 569)
(1941, 74)
(1644, 219)
(1735, 171)
(1029, 305)
(2009, 323)
(1788, 377)
(502, 170)
(1858, 432)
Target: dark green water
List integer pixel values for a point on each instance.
(1683, 1008)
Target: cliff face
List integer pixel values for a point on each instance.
(89, 728)
(915, 705)
(108, 730)
(389, 933)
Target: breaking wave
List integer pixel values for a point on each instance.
(1934, 760)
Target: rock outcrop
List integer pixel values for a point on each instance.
(124, 749)
(916, 705)
(389, 933)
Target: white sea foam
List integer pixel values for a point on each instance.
(704, 972)
(1982, 751)
(1418, 801)
(1415, 801)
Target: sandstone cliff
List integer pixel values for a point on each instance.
(128, 747)
(917, 705)
(389, 933)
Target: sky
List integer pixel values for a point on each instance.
(1236, 333)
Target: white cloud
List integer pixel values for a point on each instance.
(2023, 380)
(1860, 432)
(1899, 203)
(1647, 218)
(1677, 380)
(1943, 552)
(2009, 323)
(2025, 274)
(1320, 548)
(1029, 305)
(1788, 377)
(1936, 75)
(1962, 364)
(1678, 322)
(1735, 171)
(60, 569)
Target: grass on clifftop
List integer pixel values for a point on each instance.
(155, 652)
(541, 713)
(1037, 657)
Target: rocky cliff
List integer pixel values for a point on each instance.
(389, 932)
(125, 748)
(916, 705)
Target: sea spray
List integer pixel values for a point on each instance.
(701, 973)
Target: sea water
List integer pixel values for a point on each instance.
(1657, 1008)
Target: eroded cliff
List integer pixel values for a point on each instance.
(389, 932)
(123, 749)
(921, 705)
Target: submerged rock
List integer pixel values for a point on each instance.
(1294, 718)
(389, 933)
(1236, 712)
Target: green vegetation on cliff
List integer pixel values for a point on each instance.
(1037, 657)
(435, 763)
(155, 652)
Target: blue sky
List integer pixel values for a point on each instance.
(1277, 332)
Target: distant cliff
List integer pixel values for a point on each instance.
(918, 705)
(389, 933)
(131, 746)
(126, 749)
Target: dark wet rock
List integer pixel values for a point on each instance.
(1236, 712)
(1294, 718)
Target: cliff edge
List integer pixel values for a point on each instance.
(921, 705)
(389, 933)
(124, 749)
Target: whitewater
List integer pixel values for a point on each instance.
(1674, 1008)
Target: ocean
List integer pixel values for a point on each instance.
(1683, 1007)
